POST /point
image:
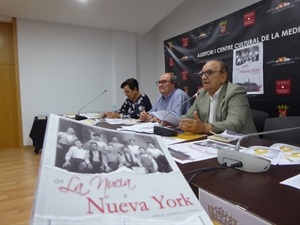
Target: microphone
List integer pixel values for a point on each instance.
(78, 116)
(250, 163)
(237, 146)
(167, 131)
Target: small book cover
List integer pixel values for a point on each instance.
(278, 153)
(92, 175)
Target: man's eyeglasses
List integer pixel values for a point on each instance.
(162, 82)
(209, 72)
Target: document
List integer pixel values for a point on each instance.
(197, 150)
(114, 121)
(166, 116)
(278, 153)
(139, 127)
(226, 136)
(293, 182)
(181, 138)
(269, 153)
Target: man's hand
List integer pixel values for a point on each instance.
(144, 116)
(192, 125)
(89, 166)
(66, 164)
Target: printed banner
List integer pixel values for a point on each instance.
(260, 44)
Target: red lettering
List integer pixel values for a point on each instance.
(186, 200)
(74, 187)
(110, 208)
(171, 203)
(105, 184)
(159, 201)
(100, 208)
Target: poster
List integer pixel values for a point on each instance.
(76, 187)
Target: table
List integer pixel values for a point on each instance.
(259, 194)
(37, 132)
(256, 196)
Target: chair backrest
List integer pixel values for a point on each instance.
(259, 118)
(275, 123)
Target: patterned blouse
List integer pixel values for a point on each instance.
(133, 109)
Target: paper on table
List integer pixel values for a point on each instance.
(196, 151)
(139, 127)
(293, 181)
(226, 136)
(290, 155)
(92, 115)
(278, 153)
(181, 138)
(114, 121)
(166, 116)
(269, 153)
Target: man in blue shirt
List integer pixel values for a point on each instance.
(170, 98)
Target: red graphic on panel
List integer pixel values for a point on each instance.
(171, 62)
(249, 18)
(184, 75)
(283, 87)
(185, 42)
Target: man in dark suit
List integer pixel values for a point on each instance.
(97, 160)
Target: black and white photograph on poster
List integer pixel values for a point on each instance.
(84, 149)
(247, 68)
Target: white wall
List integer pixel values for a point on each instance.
(189, 15)
(147, 64)
(64, 67)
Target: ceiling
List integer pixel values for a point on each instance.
(137, 16)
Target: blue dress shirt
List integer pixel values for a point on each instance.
(170, 102)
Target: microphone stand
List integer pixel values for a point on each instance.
(237, 146)
(78, 116)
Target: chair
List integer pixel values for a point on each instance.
(275, 123)
(259, 118)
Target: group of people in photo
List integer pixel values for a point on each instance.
(250, 54)
(97, 155)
